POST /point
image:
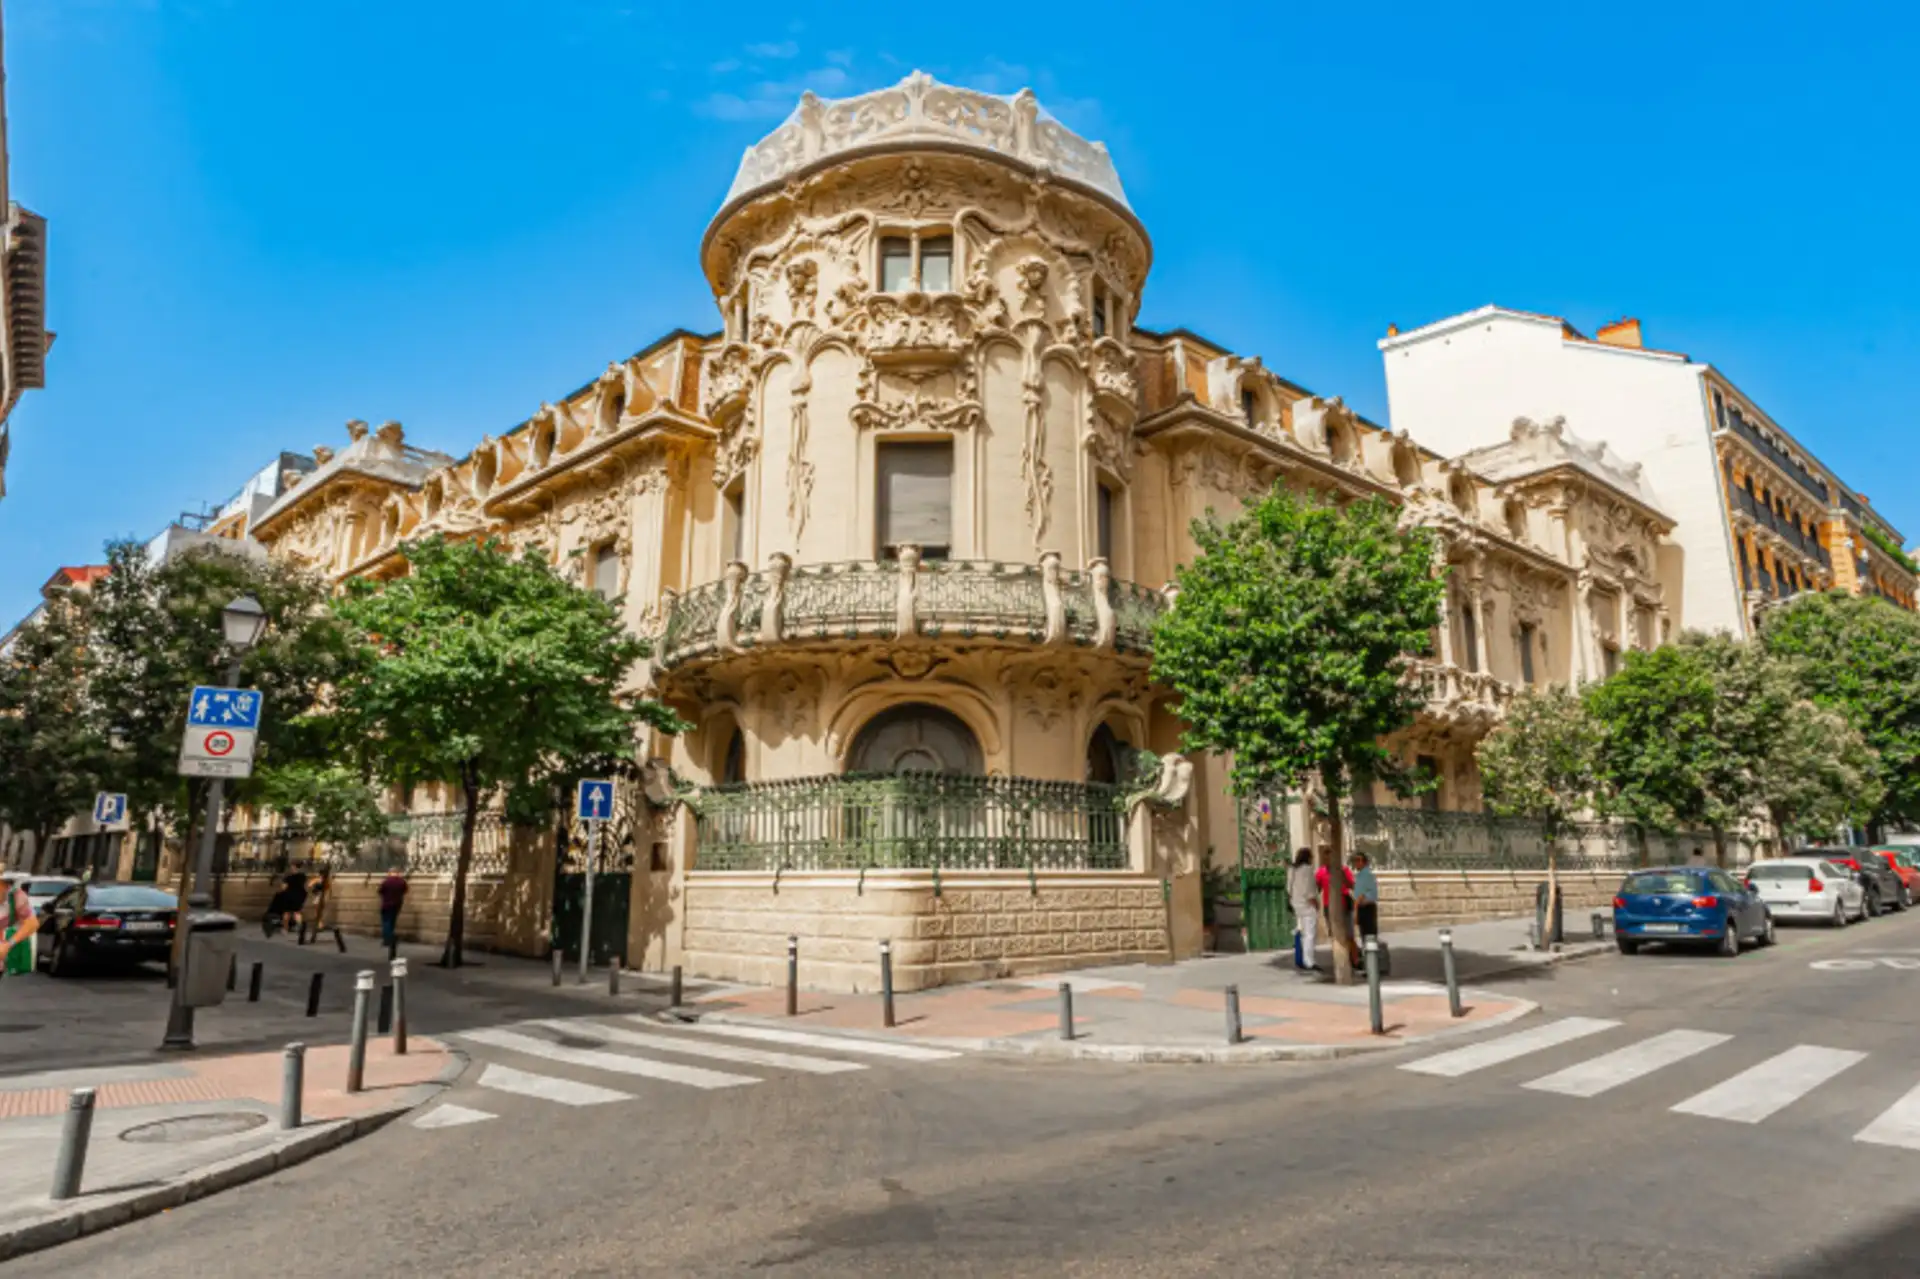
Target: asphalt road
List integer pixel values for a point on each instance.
(982, 1166)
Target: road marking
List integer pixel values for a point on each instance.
(613, 1063)
(1774, 1084)
(451, 1116)
(702, 1048)
(567, 1092)
(1463, 1061)
(803, 1039)
(1898, 1124)
(1624, 1065)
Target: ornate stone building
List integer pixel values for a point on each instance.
(900, 530)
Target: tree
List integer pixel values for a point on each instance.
(1819, 776)
(1288, 646)
(52, 749)
(1543, 763)
(489, 672)
(1860, 656)
(337, 806)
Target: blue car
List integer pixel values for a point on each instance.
(1689, 904)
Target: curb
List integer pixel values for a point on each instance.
(1164, 1054)
(88, 1218)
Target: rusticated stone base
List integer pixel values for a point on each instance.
(979, 926)
(1421, 899)
(506, 915)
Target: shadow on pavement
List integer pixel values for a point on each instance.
(1894, 1249)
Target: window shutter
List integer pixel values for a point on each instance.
(916, 496)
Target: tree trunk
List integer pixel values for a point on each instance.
(1337, 921)
(1720, 847)
(1549, 933)
(457, 922)
(42, 840)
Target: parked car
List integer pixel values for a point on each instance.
(1884, 889)
(1689, 904)
(1804, 888)
(42, 889)
(1903, 864)
(108, 922)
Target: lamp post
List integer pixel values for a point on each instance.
(242, 622)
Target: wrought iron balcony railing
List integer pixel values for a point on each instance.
(1800, 475)
(917, 820)
(1039, 603)
(1451, 691)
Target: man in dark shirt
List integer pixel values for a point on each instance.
(393, 895)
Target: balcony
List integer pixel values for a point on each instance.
(1779, 457)
(921, 821)
(1451, 693)
(1039, 603)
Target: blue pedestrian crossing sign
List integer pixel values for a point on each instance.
(109, 809)
(224, 708)
(593, 802)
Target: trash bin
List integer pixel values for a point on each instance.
(209, 956)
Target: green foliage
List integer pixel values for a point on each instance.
(1543, 761)
(338, 807)
(52, 747)
(1289, 641)
(1661, 747)
(155, 633)
(490, 672)
(1891, 547)
(1861, 657)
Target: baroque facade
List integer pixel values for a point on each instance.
(899, 530)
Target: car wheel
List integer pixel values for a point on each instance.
(1906, 897)
(1626, 947)
(1871, 908)
(1730, 939)
(1766, 931)
(1840, 918)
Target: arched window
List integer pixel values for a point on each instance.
(915, 738)
(1106, 756)
(733, 765)
(1516, 520)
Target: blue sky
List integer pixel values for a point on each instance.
(267, 218)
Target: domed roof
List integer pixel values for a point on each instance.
(920, 110)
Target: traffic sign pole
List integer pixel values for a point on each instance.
(586, 900)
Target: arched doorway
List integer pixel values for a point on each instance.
(916, 738)
(1106, 756)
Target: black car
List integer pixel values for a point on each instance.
(1876, 875)
(106, 922)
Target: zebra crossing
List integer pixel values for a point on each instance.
(626, 1053)
(1750, 1095)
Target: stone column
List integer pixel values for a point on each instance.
(1476, 600)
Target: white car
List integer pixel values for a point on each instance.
(1809, 888)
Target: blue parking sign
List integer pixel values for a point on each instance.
(224, 708)
(109, 809)
(593, 802)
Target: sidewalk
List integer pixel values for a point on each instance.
(186, 1127)
(1177, 1012)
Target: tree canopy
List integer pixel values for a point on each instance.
(489, 672)
(52, 748)
(1543, 761)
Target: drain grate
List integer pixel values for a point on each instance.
(194, 1127)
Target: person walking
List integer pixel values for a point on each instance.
(16, 943)
(393, 895)
(1366, 896)
(291, 899)
(1304, 896)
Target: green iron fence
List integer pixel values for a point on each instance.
(1414, 839)
(919, 820)
(419, 843)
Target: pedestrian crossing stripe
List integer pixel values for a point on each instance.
(829, 1043)
(1624, 1065)
(611, 1063)
(1492, 1052)
(450, 1115)
(568, 1092)
(1771, 1086)
(707, 1048)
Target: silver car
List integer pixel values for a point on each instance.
(1807, 888)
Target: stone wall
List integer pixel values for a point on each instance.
(979, 926)
(1421, 899)
(504, 914)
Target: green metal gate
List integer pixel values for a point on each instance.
(612, 878)
(1267, 915)
(146, 857)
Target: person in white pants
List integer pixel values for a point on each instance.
(1305, 897)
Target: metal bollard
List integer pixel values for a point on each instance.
(793, 976)
(1066, 1011)
(1373, 986)
(1599, 926)
(293, 1083)
(233, 973)
(384, 1022)
(886, 983)
(559, 962)
(1453, 977)
(253, 983)
(313, 995)
(674, 991)
(1233, 1015)
(72, 1163)
(357, 1049)
(613, 974)
(399, 1007)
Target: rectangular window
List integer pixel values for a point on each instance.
(936, 264)
(1526, 653)
(1103, 522)
(915, 498)
(606, 571)
(1609, 659)
(1099, 309)
(736, 523)
(1471, 634)
(1249, 404)
(1719, 410)
(896, 264)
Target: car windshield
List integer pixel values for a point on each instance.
(1780, 870)
(137, 896)
(1654, 882)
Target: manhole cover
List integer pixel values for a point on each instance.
(194, 1127)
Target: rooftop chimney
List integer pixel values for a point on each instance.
(1620, 333)
(1393, 330)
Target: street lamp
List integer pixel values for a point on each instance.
(242, 623)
